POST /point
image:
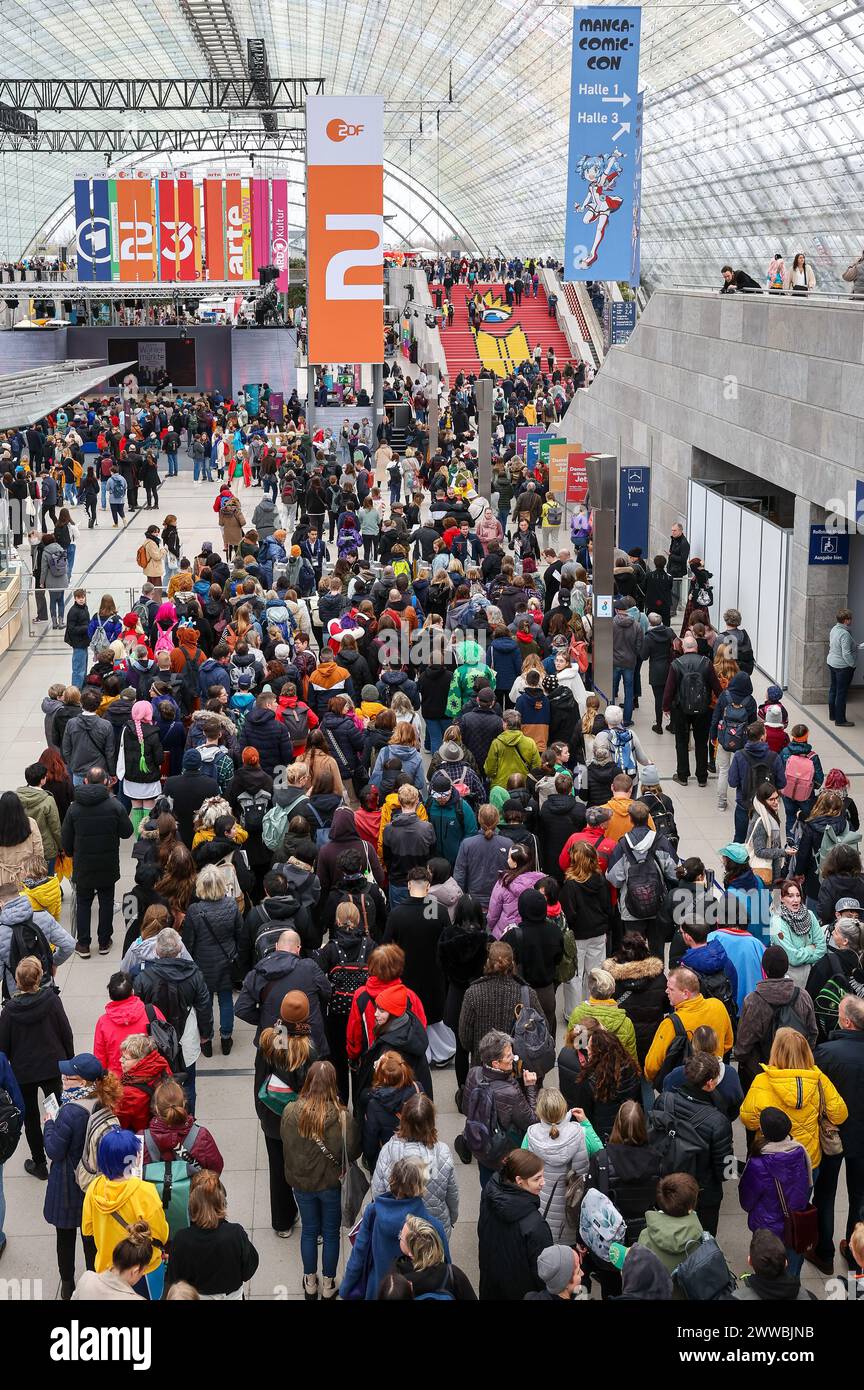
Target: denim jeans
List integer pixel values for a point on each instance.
(172, 465)
(226, 1011)
(202, 467)
(70, 562)
(435, 733)
(269, 486)
(320, 1214)
(742, 820)
(70, 493)
(57, 604)
(840, 681)
(398, 894)
(79, 666)
(625, 674)
(103, 488)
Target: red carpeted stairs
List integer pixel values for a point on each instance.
(502, 339)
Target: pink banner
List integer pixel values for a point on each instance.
(260, 226)
(279, 231)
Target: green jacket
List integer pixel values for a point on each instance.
(669, 1236)
(613, 1019)
(471, 664)
(510, 752)
(42, 807)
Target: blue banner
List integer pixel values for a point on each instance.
(532, 447)
(634, 504)
(636, 225)
(603, 156)
(253, 398)
(92, 230)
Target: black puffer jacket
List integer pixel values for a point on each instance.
(512, 1233)
(270, 980)
(434, 687)
(640, 990)
(147, 751)
(262, 730)
(560, 817)
(700, 1110)
(287, 912)
(600, 778)
(378, 1110)
(211, 932)
(344, 741)
(633, 1171)
(578, 1088)
(77, 623)
(479, 729)
(92, 830)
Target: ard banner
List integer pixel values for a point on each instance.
(345, 228)
(279, 249)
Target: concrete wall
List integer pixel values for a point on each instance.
(774, 387)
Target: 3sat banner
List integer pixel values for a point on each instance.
(604, 162)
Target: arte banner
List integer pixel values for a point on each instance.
(345, 228)
(234, 229)
(260, 225)
(603, 153)
(279, 250)
(246, 223)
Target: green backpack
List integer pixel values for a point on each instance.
(566, 967)
(172, 1179)
(830, 840)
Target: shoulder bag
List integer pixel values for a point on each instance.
(829, 1134)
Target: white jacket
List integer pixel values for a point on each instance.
(442, 1193)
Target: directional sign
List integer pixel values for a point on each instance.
(634, 499)
(828, 547)
(622, 321)
(604, 148)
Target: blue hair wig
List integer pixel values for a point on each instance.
(116, 1153)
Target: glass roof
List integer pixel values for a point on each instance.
(753, 116)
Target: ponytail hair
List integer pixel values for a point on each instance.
(488, 820)
(135, 1249)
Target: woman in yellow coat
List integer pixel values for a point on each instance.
(791, 1081)
(116, 1198)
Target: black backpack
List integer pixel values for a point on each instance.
(11, 1125)
(717, 985)
(170, 1004)
(826, 1002)
(346, 977)
(783, 1016)
(166, 1041)
(677, 1053)
(483, 1133)
(662, 816)
(757, 773)
(28, 939)
(253, 808)
(189, 683)
(644, 890)
(673, 1136)
(693, 695)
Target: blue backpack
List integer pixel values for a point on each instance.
(621, 743)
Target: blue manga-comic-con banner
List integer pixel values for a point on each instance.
(602, 219)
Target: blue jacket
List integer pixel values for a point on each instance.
(739, 691)
(750, 755)
(710, 960)
(748, 902)
(393, 681)
(262, 730)
(8, 1081)
(412, 764)
(212, 672)
(745, 952)
(377, 1243)
(64, 1144)
(340, 729)
(503, 656)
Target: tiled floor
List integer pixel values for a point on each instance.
(225, 1084)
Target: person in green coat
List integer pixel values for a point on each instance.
(603, 1006)
(471, 665)
(511, 752)
(40, 805)
(450, 816)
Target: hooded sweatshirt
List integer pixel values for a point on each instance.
(133, 1200)
(121, 1018)
(669, 1236)
(711, 959)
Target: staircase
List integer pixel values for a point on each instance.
(575, 306)
(505, 338)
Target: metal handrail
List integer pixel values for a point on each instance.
(824, 299)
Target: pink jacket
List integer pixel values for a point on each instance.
(504, 902)
(121, 1018)
(489, 528)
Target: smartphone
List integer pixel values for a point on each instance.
(709, 879)
(50, 1108)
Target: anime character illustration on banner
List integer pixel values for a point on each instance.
(599, 171)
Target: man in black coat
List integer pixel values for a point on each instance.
(678, 701)
(262, 730)
(176, 987)
(679, 554)
(188, 792)
(75, 636)
(842, 1060)
(416, 926)
(480, 723)
(92, 830)
(270, 980)
(690, 1109)
(657, 651)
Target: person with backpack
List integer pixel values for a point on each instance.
(718, 978)
(141, 750)
(733, 713)
(424, 1269)
(174, 1133)
(142, 1068)
(538, 947)
(673, 1227)
(825, 831)
(690, 1010)
(28, 931)
(188, 792)
(627, 752)
(737, 641)
(691, 683)
(212, 1254)
(775, 1002)
(91, 833)
(54, 577)
(839, 972)
(89, 1101)
(627, 640)
(512, 1231)
(841, 1059)
(88, 740)
(751, 767)
(641, 867)
(116, 1199)
(689, 1127)
(35, 1036)
(660, 806)
(791, 1081)
(149, 554)
(176, 987)
(124, 1015)
(798, 930)
(773, 1277)
(212, 929)
(804, 777)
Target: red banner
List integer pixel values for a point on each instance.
(577, 476)
(188, 231)
(234, 224)
(214, 229)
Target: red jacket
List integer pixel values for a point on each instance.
(204, 1150)
(356, 1036)
(121, 1017)
(368, 824)
(592, 835)
(134, 1111)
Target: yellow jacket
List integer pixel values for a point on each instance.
(388, 811)
(370, 709)
(133, 1200)
(694, 1013)
(796, 1093)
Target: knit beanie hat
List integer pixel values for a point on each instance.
(775, 1124)
(393, 1000)
(774, 716)
(555, 1267)
(532, 906)
(294, 1007)
(774, 694)
(649, 776)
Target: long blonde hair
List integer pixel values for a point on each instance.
(790, 1051)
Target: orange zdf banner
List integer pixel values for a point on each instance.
(137, 242)
(345, 228)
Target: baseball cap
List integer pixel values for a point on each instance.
(440, 784)
(847, 905)
(83, 1064)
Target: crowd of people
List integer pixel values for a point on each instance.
(378, 812)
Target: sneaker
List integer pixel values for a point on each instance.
(845, 723)
(682, 781)
(36, 1170)
(227, 1044)
(207, 1048)
(104, 950)
(285, 1235)
(310, 1288)
(657, 728)
(721, 806)
(462, 1148)
(82, 950)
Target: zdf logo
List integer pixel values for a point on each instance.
(339, 130)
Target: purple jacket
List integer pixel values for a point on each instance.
(504, 902)
(757, 1190)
